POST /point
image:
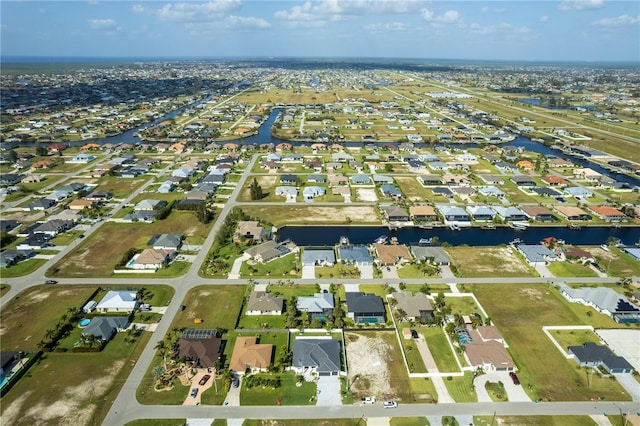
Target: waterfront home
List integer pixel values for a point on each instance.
(481, 213)
(393, 254)
(318, 257)
(608, 213)
(453, 213)
(536, 254)
(572, 213)
(249, 230)
(538, 213)
(358, 255)
(267, 251)
(395, 214)
(430, 254)
(512, 214)
(423, 213)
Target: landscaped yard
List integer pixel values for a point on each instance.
(72, 388)
(337, 271)
(488, 262)
(462, 305)
(460, 387)
(414, 359)
(408, 421)
(520, 311)
(440, 349)
(535, 420)
(286, 394)
(283, 267)
(23, 268)
(24, 320)
(99, 253)
(423, 390)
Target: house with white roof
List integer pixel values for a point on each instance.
(320, 305)
(118, 301)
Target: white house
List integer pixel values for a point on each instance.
(118, 301)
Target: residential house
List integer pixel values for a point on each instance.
(311, 192)
(578, 192)
(390, 191)
(11, 257)
(11, 178)
(430, 254)
(200, 347)
(358, 255)
(313, 257)
(572, 213)
(491, 179)
(453, 213)
(80, 204)
(40, 204)
(451, 179)
(510, 214)
(104, 328)
(489, 354)
(506, 167)
(337, 180)
(608, 213)
(249, 230)
(150, 205)
(430, 180)
(423, 214)
(319, 306)
(53, 227)
(82, 158)
(416, 307)
(262, 303)
(319, 355)
(152, 258)
(553, 180)
(35, 242)
(360, 179)
(166, 241)
(591, 354)
(393, 254)
(365, 308)
(118, 301)
(249, 355)
(289, 192)
(491, 191)
(523, 181)
(395, 214)
(314, 178)
(539, 213)
(481, 213)
(604, 300)
(537, 254)
(266, 251)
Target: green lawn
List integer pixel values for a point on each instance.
(566, 338)
(299, 422)
(621, 264)
(23, 268)
(175, 269)
(440, 349)
(423, 390)
(496, 391)
(313, 215)
(287, 394)
(262, 321)
(337, 271)
(200, 301)
(413, 271)
(460, 388)
(414, 359)
(462, 305)
(287, 291)
(520, 311)
(567, 269)
(157, 422)
(283, 267)
(4, 288)
(119, 187)
(25, 319)
(535, 420)
(85, 383)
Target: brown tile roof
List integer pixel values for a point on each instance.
(387, 254)
(248, 353)
(203, 352)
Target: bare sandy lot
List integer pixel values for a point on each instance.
(368, 356)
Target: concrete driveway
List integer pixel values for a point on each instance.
(514, 392)
(308, 272)
(366, 271)
(328, 393)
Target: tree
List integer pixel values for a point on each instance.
(256, 190)
(162, 347)
(41, 150)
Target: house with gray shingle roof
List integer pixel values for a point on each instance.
(311, 257)
(537, 254)
(263, 303)
(415, 306)
(365, 308)
(430, 254)
(594, 355)
(320, 305)
(604, 300)
(316, 354)
(104, 328)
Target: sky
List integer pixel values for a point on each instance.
(563, 30)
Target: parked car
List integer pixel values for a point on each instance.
(514, 378)
(368, 400)
(414, 334)
(235, 382)
(51, 282)
(204, 379)
(389, 404)
(194, 392)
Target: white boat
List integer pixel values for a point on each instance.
(382, 239)
(516, 241)
(424, 241)
(518, 226)
(454, 227)
(344, 241)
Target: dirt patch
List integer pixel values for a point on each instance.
(39, 296)
(11, 414)
(368, 370)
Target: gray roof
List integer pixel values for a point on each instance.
(536, 252)
(364, 302)
(355, 254)
(316, 303)
(264, 302)
(604, 298)
(436, 254)
(312, 257)
(104, 327)
(412, 304)
(591, 352)
(166, 240)
(321, 353)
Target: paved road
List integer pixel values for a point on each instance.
(126, 408)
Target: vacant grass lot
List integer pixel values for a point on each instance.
(615, 262)
(287, 394)
(299, 422)
(99, 253)
(460, 388)
(287, 291)
(119, 187)
(535, 420)
(313, 215)
(24, 320)
(218, 306)
(520, 311)
(567, 269)
(462, 305)
(488, 262)
(408, 421)
(285, 267)
(72, 388)
(423, 390)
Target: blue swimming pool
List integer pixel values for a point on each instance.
(84, 322)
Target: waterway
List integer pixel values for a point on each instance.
(330, 235)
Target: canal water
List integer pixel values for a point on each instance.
(330, 235)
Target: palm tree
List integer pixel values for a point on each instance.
(162, 347)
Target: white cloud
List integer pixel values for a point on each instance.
(544, 18)
(246, 22)
(392, 26)
(504, 31)
(190, 12)
(449, 17)
(618, 21)
(580, 4)
(102, 24)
